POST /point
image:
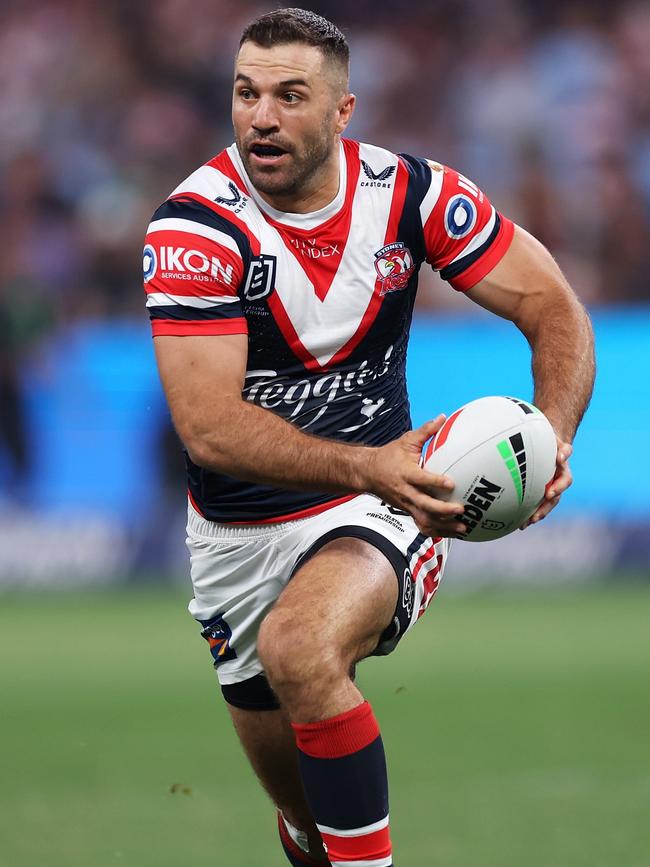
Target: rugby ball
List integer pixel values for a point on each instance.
(501, 453)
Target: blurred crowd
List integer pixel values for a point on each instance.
(105, 107)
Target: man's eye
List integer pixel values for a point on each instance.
(291, 98)
(245, 93)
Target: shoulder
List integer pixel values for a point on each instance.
(216, 181)
(208, 204)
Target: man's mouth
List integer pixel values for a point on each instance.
(267, 154)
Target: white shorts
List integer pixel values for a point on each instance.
(238, 572)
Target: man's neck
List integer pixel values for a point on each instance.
(311, 198)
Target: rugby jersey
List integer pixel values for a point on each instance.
(325, 298)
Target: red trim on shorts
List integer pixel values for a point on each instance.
(338, 736)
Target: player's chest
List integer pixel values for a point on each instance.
(324, 289)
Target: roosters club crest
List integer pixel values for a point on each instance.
(394, 266)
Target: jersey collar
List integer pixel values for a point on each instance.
(297, 221)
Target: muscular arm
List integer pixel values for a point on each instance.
(203, 379)
(528, 288)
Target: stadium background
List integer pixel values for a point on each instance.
(526, 733)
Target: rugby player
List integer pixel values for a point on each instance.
(280, 280)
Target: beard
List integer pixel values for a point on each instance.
(303, 164)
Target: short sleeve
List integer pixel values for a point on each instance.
(193, 263)
(464, 236)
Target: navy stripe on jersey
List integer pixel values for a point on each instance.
(410, 225)
(186, 209)
(462, 264)
(195, 314)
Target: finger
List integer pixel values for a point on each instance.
(427, 430)
(559, 484)
(448, 530)
(541, 512)
(424, 480)
(433, 508)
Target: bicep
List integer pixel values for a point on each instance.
(524, 280)
(200, 375)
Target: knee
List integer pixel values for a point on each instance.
(293, 652)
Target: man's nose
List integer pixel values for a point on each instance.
(266, 117)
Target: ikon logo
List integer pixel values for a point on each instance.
(181, 260)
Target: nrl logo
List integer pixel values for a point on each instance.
(236, 200)
(394, 266)
(376, 180)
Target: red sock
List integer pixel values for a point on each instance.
(343, 771)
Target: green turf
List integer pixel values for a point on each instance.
(517, 726)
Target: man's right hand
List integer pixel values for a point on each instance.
(395, 475)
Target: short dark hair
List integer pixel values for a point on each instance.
(298, 25)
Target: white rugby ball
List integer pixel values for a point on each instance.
(501, 454)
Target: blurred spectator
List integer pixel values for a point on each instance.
(105, 107)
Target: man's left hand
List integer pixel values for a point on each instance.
(556, 487)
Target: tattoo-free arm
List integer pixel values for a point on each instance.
(528, 288)
(203, 379)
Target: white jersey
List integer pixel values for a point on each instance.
(325, 298)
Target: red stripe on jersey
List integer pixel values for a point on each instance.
(289, 332)
(302, 513)
(223, 212)
(203, 327)
(338, 736)
(396, 210)
(442, 248)
(366, 847)
(333, 234)
(488, 260)
(194, 503)
(222, 163)
(180, 251)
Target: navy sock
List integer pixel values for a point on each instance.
(343, 771)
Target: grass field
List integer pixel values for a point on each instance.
(517, 727)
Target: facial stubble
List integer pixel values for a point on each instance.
(299, 176)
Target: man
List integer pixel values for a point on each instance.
(280, 281)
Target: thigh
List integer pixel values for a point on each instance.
(417, 561)
(340, 600)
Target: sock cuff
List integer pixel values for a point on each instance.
(339, 735)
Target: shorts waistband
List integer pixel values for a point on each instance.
(214, 530)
